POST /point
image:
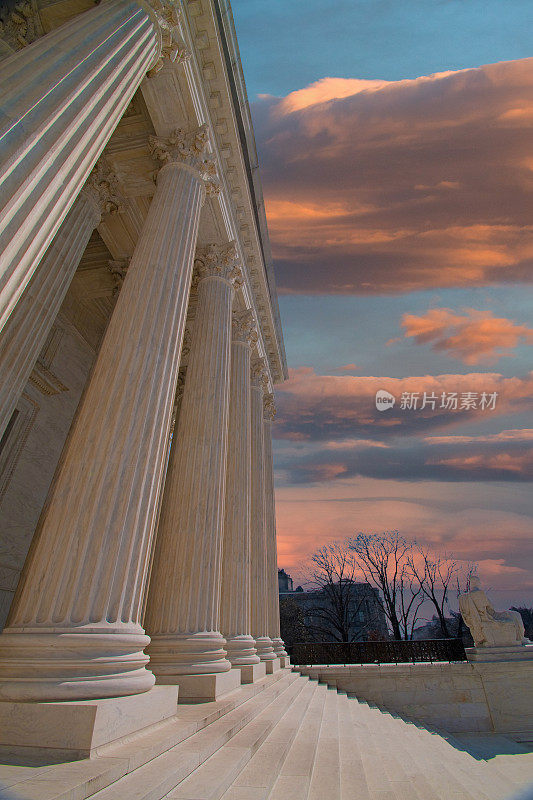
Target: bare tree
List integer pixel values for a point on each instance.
(434, 574)
(383, 560)
(411, 598)
(333, 573)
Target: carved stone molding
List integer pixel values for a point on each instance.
(258, 373)
(243, 327)
(118, 269)
(45, 381)
(184, 147)
(269, 407)
(20, 25)
(219, 261)
(102, 188)
(173, 48)
(212, 188)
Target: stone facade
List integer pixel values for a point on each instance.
(364, 611)
(136, 489)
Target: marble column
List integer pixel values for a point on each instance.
(235, 622)
(75, 631)
(182, 612)
(272, 598)
(259, 582)
(60, 100)
(24, 334)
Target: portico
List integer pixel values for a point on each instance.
(152, 559)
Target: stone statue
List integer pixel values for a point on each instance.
(490, 628)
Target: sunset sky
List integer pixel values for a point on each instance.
(396, 150)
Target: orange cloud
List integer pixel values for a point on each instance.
(327, 89)
(473, 337)
(375, 186)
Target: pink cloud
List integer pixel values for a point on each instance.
(374, 186)
(473, 337)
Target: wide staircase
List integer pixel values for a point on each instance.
(284, 738)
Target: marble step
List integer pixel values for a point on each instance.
(258, 776)
(454, 768)
(408, 757)
(78, 780)
(325, 777)
(158, 777)
(295, 774)
(352, 772)
(211, 779)
(510, 763)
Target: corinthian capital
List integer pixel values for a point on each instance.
(218, 261)
(243, 327)
(20, 24)
(102, 188)
(184, 147)
(259, 373)
(269, 407)
(173, 47)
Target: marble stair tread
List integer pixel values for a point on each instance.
(417, 755)
(473, 775)
(450, 771)
(77, 780)
(295, 774)
(325, 777)
(497, 758)
(352, 773)
(158, 777)
(258, 776)
(211, 779)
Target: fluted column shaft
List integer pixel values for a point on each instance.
(235, 620)
(60, 100)
(182, 612)
(24, 334)
(75, 630)
(272, 598)
(259, 584)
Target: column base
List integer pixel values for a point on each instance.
(206, 688)
(43, 665)
(273, 665)
(77, 728)
(250, 673)
(279, 647)
(265, 649)
(284, 662)
(241, 651)
(176, 655)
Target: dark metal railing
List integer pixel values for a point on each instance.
(389, 652)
